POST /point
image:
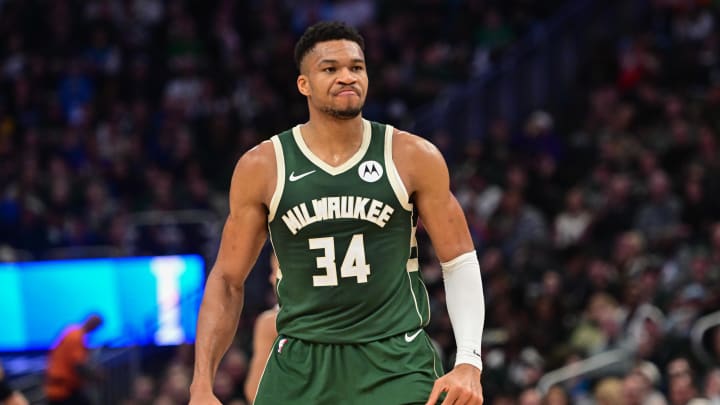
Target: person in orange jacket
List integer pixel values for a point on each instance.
(68, 366)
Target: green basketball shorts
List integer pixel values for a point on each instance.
(399, 370)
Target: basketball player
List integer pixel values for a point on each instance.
(340, 197)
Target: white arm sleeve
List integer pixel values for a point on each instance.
(466, 306)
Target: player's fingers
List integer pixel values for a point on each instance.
(451, 398)
(470, 398)
(461, 396)
(438, 388)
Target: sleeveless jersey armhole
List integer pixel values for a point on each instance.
(393, 175)
(280, 182)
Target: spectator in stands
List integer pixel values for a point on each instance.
(526, 368)
(615, 208)
(556, 395)
(628, 253)
(530, 396)
(572, 222)
(682, 386)
(143, 391)
(681, 390)
(684, 309)
(714, 247)
(711, 386)
(609, 391)
(223, 387)
(601, 327)
(235, 367)
(9, 396)
(516, 225)
(174, 385)
(69, 367)
(115, 107)
(638, 391)
(659, 218)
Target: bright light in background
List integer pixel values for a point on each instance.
(144, 300)
(167, 271)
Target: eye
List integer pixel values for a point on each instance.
(358, 68)
(329, 69)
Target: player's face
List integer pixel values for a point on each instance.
(334, 78)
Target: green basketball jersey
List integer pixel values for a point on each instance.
(345, 240)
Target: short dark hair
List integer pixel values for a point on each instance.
(325, 31)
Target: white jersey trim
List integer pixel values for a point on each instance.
(412, 293)
(393, 174)
(334, 170)
(280, 182)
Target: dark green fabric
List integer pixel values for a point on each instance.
(391, 371)
(387, 299)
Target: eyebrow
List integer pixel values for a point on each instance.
(335, 61)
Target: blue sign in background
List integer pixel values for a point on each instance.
(143, 300)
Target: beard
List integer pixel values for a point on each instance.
(344, 114)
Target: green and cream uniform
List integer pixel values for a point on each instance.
(352, 302)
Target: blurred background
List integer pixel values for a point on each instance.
(582, 138)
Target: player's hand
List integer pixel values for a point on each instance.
(204, 398)
(462, 385)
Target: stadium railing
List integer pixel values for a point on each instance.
(616, 361)
(697, 338)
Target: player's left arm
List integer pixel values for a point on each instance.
(426, 176)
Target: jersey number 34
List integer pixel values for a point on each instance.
(353, 265)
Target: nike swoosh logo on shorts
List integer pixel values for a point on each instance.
(293, 177)
(410, 338)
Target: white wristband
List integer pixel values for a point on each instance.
(466, 306)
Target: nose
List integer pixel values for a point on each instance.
(346, 76)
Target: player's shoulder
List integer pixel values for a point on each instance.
(409, 143)
(257, 165)
(254, 174)
(262, 154)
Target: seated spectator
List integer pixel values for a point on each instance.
(9, 396)
(711, 386)
(601, 326)
(516, 225)
(556, 395)
(659, 218)
(572, 223)
(530, 396)
(609, 391)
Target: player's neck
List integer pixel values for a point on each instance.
(333, 140)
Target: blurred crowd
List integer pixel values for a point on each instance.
(110, 107)
(602, 232)
(596, 233)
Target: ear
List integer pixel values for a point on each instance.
(303, 85)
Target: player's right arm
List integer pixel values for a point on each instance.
(243, 237)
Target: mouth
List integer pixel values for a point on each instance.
(347, 92)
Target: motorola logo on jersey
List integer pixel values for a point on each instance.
(370, 171)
